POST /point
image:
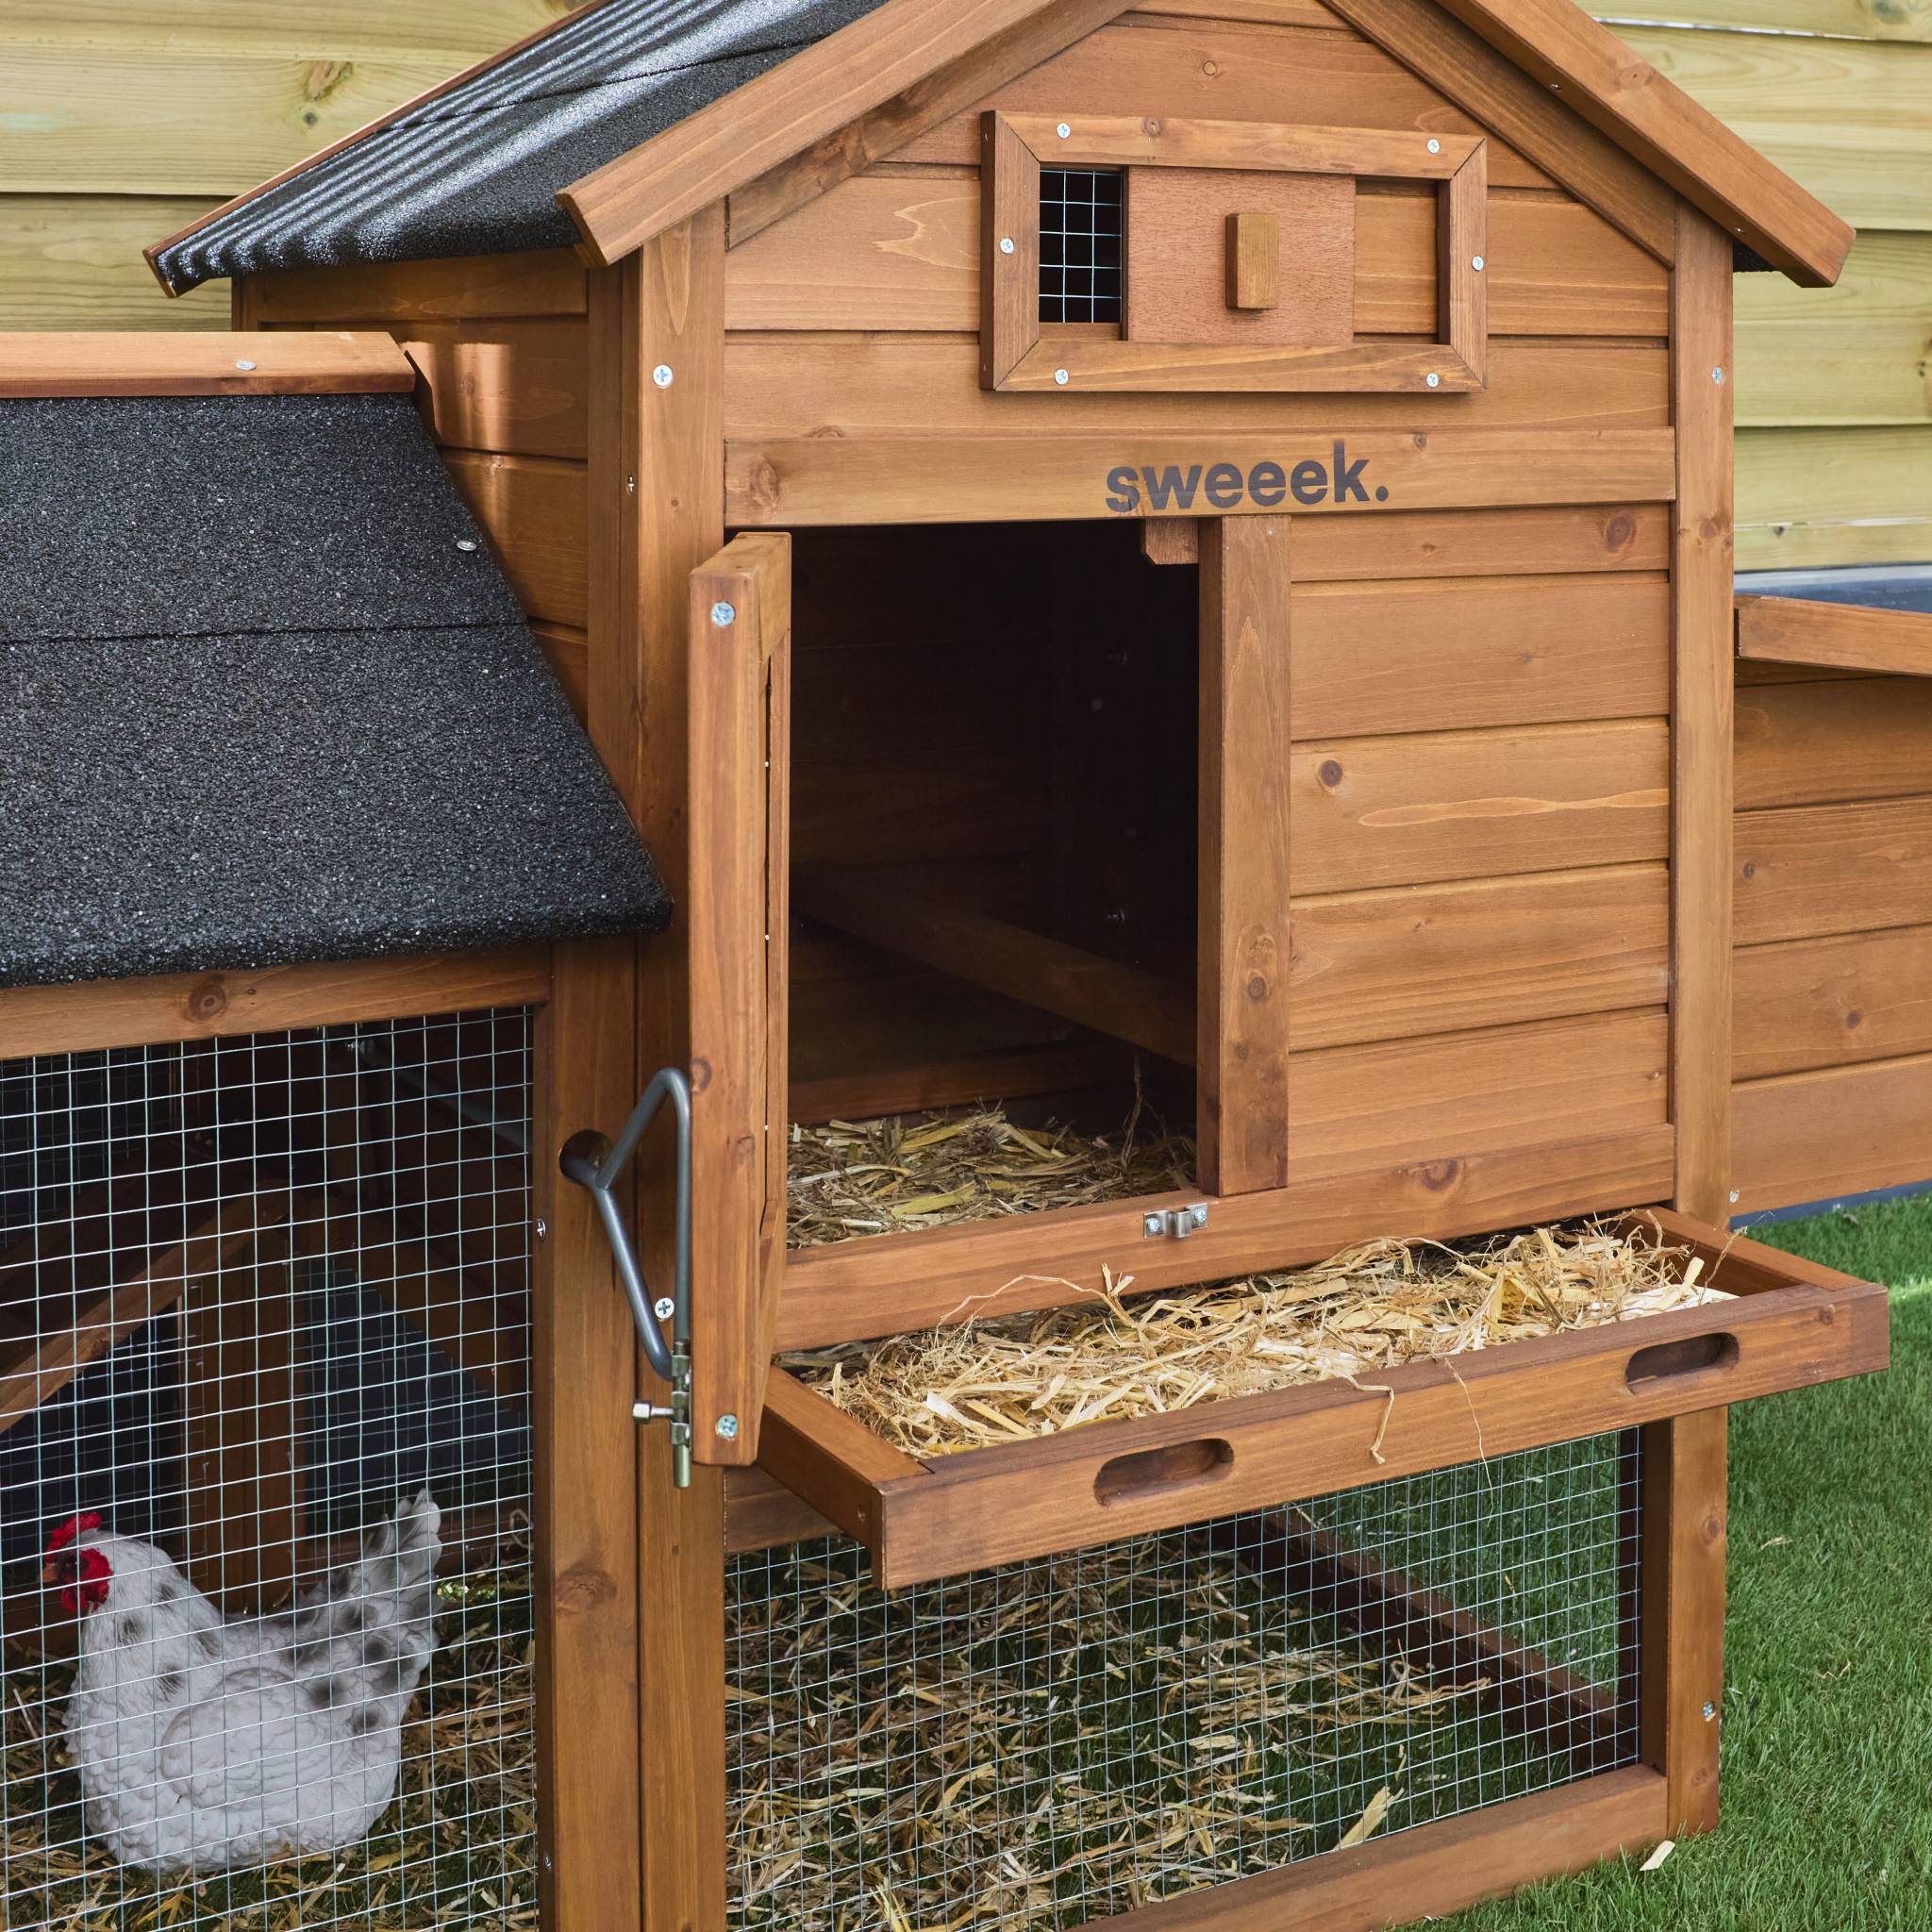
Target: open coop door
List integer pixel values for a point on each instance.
(740, 729)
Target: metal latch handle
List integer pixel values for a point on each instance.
(669, 1360)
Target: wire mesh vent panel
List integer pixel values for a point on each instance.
(1081, 226)
(1053, 1741)
(264, 1314)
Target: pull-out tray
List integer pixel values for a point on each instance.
(1792, 1323)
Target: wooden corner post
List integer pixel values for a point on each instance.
(1685, 1462)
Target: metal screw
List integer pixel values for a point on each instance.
(1064, 132)
(1435, 381)
(1059, 376)
(1006, 244)
(1476, 261)
(1709, 1712)
(723, 614)
(1717, 375)
(1151, 1224)
(542, 1229)
(1435, 147)
(1734, 1197)
(663, 376)
(727, 1426)
(466, 542)
(245, 365)
(664, 1307)
(630, 486)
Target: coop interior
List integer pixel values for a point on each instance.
(994, 784)
(258, 1297)
(1044, 1744)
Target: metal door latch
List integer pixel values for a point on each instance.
(1177, 1224)
(669, 1358)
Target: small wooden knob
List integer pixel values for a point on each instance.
(1253, 261)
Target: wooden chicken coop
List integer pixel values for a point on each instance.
(1156, 581)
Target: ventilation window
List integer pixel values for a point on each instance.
(1080, 229)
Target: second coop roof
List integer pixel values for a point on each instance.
(268, 699)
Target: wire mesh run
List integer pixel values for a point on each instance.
(265, 1481)
(1081, 228)
(1056, 1741)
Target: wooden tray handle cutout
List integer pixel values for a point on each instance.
(1160, 1472)
(1694, 1355)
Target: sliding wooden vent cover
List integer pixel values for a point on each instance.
(1239, 256)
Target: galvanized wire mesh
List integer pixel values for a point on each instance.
(1081, 217)
(258, 1295)
(1053, 1741)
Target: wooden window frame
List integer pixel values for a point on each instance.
(1017, 355)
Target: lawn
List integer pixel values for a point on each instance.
(1827, 1712)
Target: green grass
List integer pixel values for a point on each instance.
(1827, 1711)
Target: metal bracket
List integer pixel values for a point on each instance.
(670, 1359)
(1176, 1223)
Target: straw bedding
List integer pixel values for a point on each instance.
(1035, 1746)
(460, 1847)
(904, 1173)
(1374, 1308)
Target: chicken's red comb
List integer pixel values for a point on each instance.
(87, 1519)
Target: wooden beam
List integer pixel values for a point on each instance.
(1685, 1484)
(1701, 752)
(146, 362)
(1663, 128)
(918, 479)
(881, 134)
(1120, 1001)
(784, 112)
(207, 1005)
(1244, 947)
(1682, 1610)
(1530, 1694)
(657, 496)
(1845, 637)
(736, 923)
(1429, 1871)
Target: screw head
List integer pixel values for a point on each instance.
(1435, 147)
(723, 614)
(244, 364)
(664, 1307)
(1709, 1712)
(1150, 1223)
(1064, 132)
(542, 1229)
(1059, 376)
(726, 1427)
(1717, 375)
(1006, 244)
(1434, 380)
(1476, 261)
(663, 376)
(466, 542)
(1734, 1197)
(630, 486)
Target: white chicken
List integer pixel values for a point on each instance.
(204, 1741)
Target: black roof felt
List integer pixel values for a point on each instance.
(267, 698)
(476, 170)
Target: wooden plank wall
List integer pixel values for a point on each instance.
(1480, 761)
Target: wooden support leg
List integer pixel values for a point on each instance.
(1684, 1483)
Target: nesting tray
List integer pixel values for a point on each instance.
(1759, 1322)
